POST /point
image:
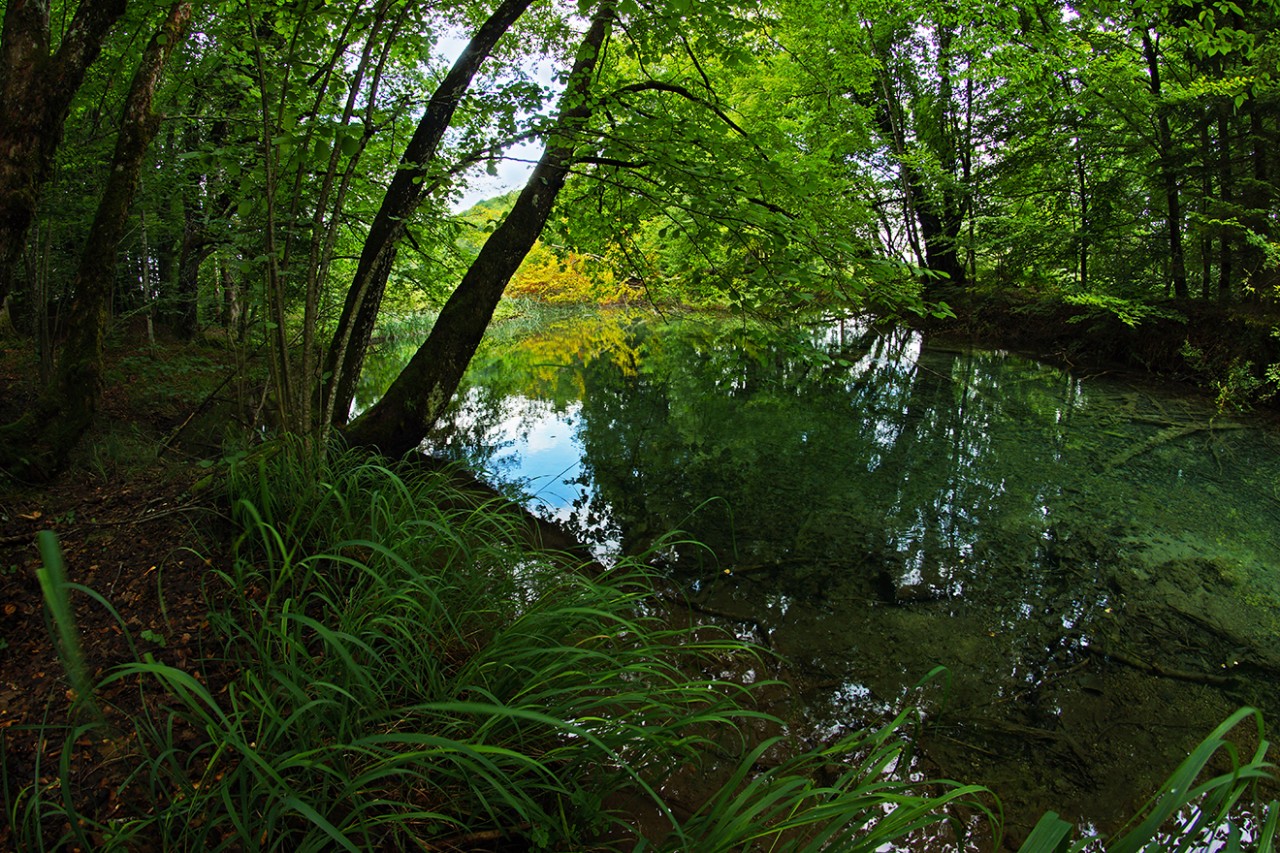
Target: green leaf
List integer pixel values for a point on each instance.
(1050, 835)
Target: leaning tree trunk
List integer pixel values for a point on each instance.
(355, 327)
(36, 90)
(36, 446)
(402, 418)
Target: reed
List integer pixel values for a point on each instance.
(408, 674)
(1191, 812)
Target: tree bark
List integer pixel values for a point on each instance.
(36, 90)
(36, 446)
(364, 298)
(399, 421)
(1226, 239)
(1168, 174)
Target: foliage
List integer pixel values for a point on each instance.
(406, 673)
(1238, 384)
(1128, 311)
(568, 278)
(779, 160)
(1188, 814)
(168, 377)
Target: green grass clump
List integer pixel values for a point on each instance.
(410, 675)
(401, 671)
(1189, 812)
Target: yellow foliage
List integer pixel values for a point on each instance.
(578, 340)
(568, 279)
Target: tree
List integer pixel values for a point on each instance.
(36, 91)
(401, 419)
(37, 444)
(902, 65)
(403, 196)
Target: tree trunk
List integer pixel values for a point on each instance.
(233, 313)
(945, 251)
(1168, 175)
(1082, 187)
(37, 445)
(364, 298)
(399, 421)
(36, 90)
(940, 232)
(937, 212)
(1226, 249)
(196, 247)
(1259, 207)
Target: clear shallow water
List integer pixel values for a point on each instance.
(1095, 564)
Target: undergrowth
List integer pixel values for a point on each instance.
(409, 674)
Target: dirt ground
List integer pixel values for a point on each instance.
(131, 533)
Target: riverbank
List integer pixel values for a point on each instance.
(1226, 351)
(340, 654)
(133, 514)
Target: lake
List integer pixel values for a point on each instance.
(1095, 563)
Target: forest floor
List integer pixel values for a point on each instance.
(142, 540)
(130, 531)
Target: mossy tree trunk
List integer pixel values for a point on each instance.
(37, 445)
(36, 90)
(399, 421)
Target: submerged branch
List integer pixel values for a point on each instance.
(1165, 436)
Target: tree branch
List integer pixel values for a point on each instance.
(674, 89)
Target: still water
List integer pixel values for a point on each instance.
(1095, 563)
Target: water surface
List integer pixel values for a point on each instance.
(1094, 563)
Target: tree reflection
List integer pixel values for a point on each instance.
(880, 507)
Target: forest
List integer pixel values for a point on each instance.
(217, 218)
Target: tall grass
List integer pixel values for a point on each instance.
(402, 672)
(55, 588)
(408, 674)
(1190, 812)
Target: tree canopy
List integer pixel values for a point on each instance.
(301, 169)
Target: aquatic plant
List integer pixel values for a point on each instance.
(401, 671)
(1189, 812)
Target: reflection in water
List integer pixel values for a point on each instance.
(533, 445)
(1093, 563)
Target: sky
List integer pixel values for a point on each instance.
(513, 171)
(518, 161)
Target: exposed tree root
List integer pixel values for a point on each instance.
(1210, 679)
(1165, 436)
